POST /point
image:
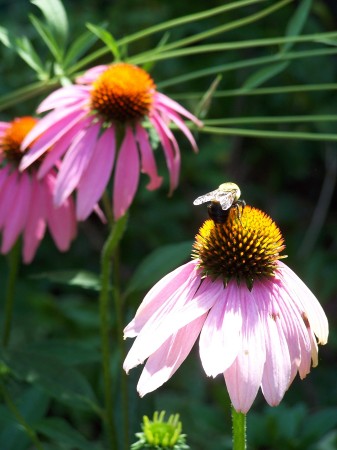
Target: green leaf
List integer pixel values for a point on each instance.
(56, 18)
(79, 47)
(297, 21)
(64, 383)
(107, 38)
(27, 52)
(48, 38)
(60, 431)
(5, 38)
(81, 278)
(159, 263)
(261, 76)
(32, 404)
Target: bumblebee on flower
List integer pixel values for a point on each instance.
(257, 322)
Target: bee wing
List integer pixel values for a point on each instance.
(205, 198)
(226, 198)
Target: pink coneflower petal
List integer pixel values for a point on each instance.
(126, 175)
(163, 363)
(96, 176)
(75, 162)
(7, 195)
(243, 377)
(158, 295)
(147, 159)
(52, 130)
(64, 97)
(61, 220)
(35, 227)
(91, 75)
(4, 126)
(219, 339)
(15, 221)
(60, 147)
(168, 102)
(170, 148)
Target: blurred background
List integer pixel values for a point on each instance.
(293, 180)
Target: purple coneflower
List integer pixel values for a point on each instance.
(109, 103)
(26, 203)
(256, 319)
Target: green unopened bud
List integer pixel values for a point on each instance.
(158, 434)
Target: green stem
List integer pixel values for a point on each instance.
(104, 310)
(121, 345)
(239, 430)
(20, 419)
(14, 262)
(275, 119)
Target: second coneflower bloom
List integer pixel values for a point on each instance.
(97, 124)
(26, 203)
(258, 324)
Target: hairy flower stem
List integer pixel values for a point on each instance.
(238, 430)
(104, 310)
(14, 262)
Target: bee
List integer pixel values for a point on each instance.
(221, 201)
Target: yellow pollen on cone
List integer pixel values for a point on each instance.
(12, 138)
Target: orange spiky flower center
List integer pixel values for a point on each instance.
(123, 93)
(10, 143)
(245, 247)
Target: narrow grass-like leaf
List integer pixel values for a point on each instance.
(297, 21)
(269, 134)
(160, 262)
(26, 93)
(107, 38)
(27, 52)
(79, 47)
(56, 18)
(47, 38)
(274, 119)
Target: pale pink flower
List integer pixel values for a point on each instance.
(255, 319)
(101, 122)
(26, 202)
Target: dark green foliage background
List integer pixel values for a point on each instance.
(54, 352)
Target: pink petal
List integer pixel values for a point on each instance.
(75, 162)
(4, 126)
(7, 193)
(126, 175)
(158, 295)
(171, 150)
(147, 158)
(63, 97)
(168, 102)
(60, 147)
(61, 220)
(220, 337)
(193, 302)
(162, 364)
(48, 131)
(90, 75)
(96, 177)
(243, 378)
(17, 215)
(36, 225)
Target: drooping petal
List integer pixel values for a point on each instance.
(52, 157)
(147, 158)
(35, 227)
(75, 162)
(63, 97)
(61, 220)
(126, 175)
(7, 193)
(162, 364)
(158, 295)
(193, 304)
(96, 176)
(169, 103)
(171, 150)
(220, 337)
(49, 130)
(243, 377)
(16, 218)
